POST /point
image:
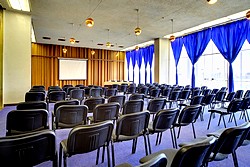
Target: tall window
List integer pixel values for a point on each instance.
(211, 69)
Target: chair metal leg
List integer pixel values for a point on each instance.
(193, 130)
(145, 143)
(224, 121)
(149, 145)
(64, 160)
(160, 138)
(113, 153)
(209, 120)
(108, 155)
(175, 140)
(60, 156)
(219, 120)
(179, 132)
(172, 137)
(55, 163)
(235, 159)
(234, 120)
(97, 156)
(103, 153)
(157, 138)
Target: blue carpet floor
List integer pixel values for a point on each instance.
(123, 149)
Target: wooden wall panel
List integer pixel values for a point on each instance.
(102, 66)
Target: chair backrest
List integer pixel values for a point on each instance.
(66, 102)
(174, 95)
(54, 87)
(195, 92)
(215, 91)
(86, 138)
(247, 94)
(164, 119)
(156, 105)
(123, 88)
(23, 121)
(65, 87)
(68, 116)
(28, 149)
(193, 155)
(136, 96)
(220, 96)
(189, 114)
(110, 92)
(245, 103)
(166, 92)
(68, 90)
(155, 92)
(34, 96)
(143, 90)
(208, 99)
(133, 124)
(196, 100)
(131, 89)
(118, 98)
(95, 92)
(78, 94)
(133, 106)
(31, 105)
(157, 161)
(230, 96)
(55, 96)
(223, 89)
(184, 94)
(206, 92)
(107, 111)
(234, 105)
(93, 102)
(229, 140)
(39, 87)
(115, 86)
(238, 94)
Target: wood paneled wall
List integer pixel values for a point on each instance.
(104, 65)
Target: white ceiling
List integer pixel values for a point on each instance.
(65, 19)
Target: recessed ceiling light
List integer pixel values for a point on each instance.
(211, 1)
(47, 38)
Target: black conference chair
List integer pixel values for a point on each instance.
(133, 106)
(227, 143)
(24, 121)
(118, 98)
(130, 127)
(192, 155)
(187, 116)
(34, 96)
(28, 149)
(78, 94)
(156, 105)
(164, 120)
(69, 116)
(86, 138)
(232, 108)
(93, 102)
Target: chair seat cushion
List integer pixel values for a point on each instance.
(170, 154)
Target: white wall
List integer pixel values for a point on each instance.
(16, 56)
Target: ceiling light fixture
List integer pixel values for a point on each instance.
(108, 44)
(137, 29)
(211, 1)
(172, 37)
(72, 40)
(248, 15)
(89, 22)
(22, 5)
(64, 50)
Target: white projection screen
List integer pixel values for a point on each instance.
(72, 69)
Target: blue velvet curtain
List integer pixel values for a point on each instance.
(128, 53)
(150, 59)
(229, 39)
(195, 45)
(248, 30)
(133, 58)
(145, 54)
(177, 47)
(139, 62)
